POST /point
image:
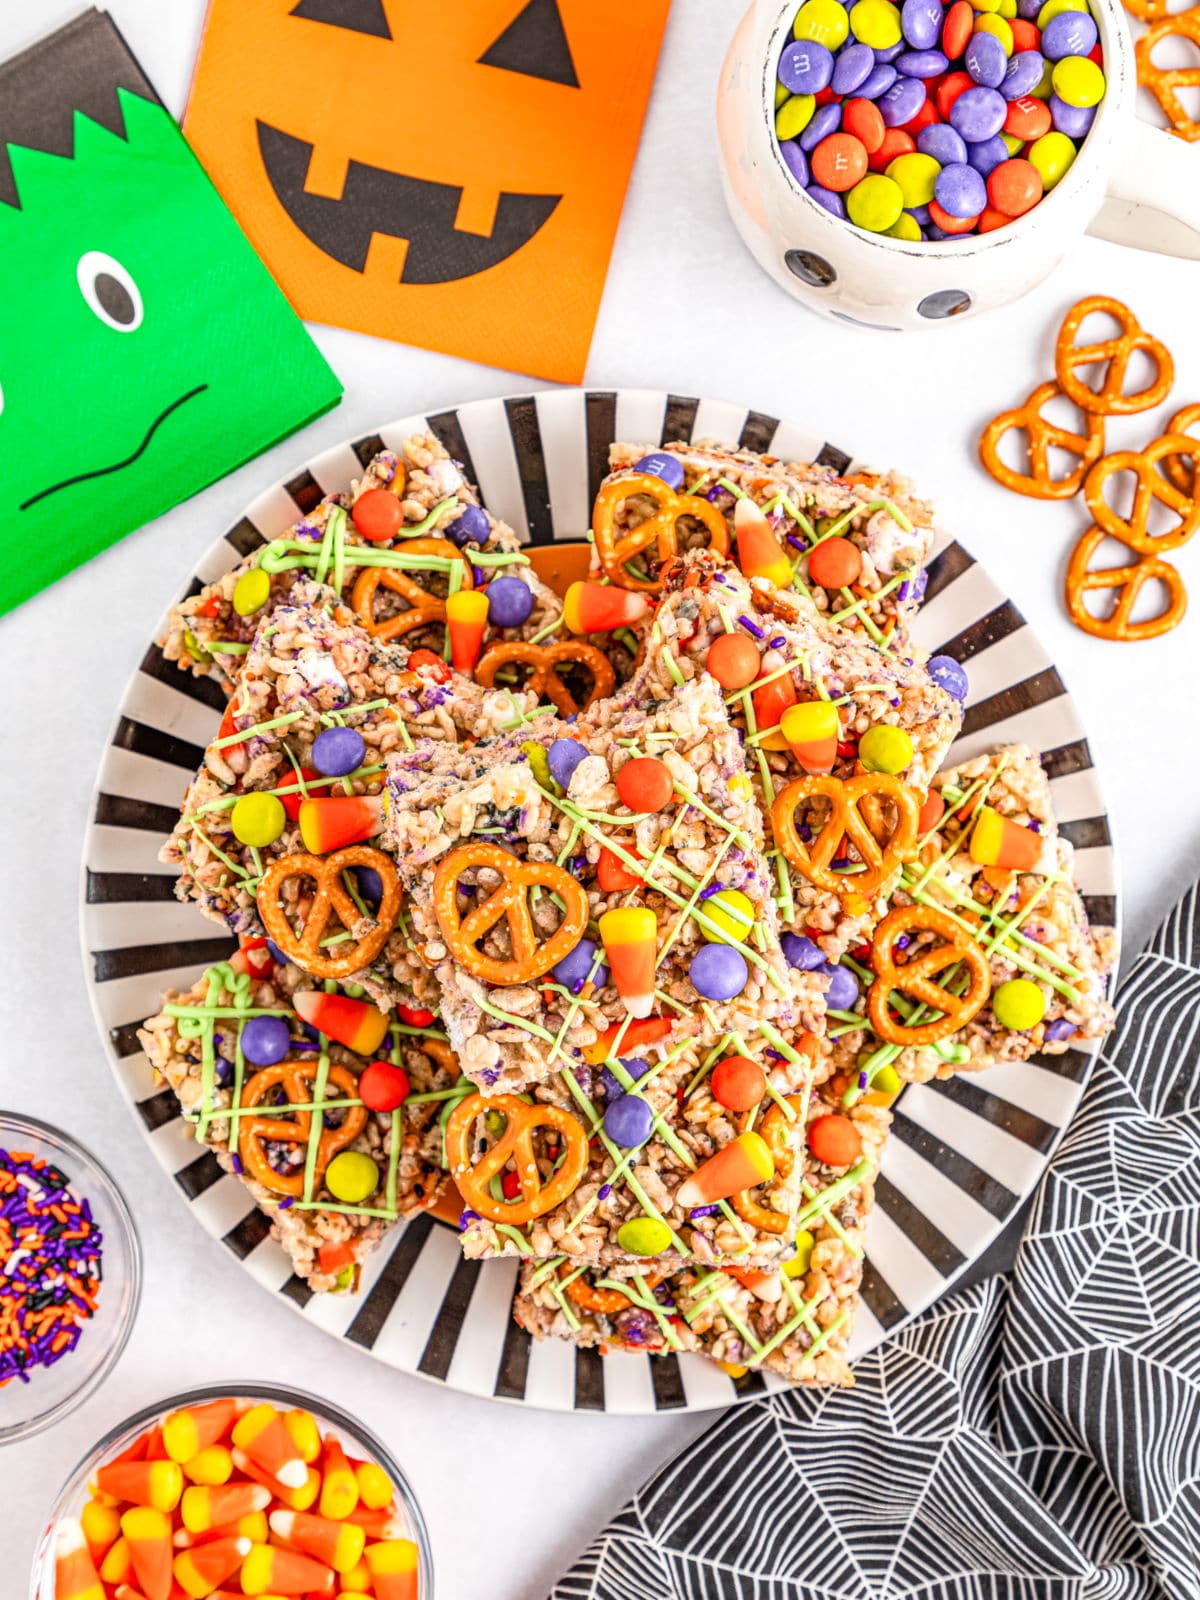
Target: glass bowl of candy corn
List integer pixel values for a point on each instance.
(70, 1275)
(245, 1488)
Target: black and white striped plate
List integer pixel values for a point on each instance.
(964, 1152)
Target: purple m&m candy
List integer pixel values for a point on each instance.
(880, 79)
(662, 465)
(978, 114)
(337, 751)
(960, 190)
(628, 1121)
(370, 884)
(1071, 33)
(470, 528)
(265, 1040)
(800, 952)
(901, 102)
(852, 67)
(796, 161)
(833, 203)
(563, 756)
(921, 63)
(718, 972)
(985, 60)
(948, 675)
(805, 67)
(941, 142)
(575, 968)
(1074, 121)
(1022, 73)
(843, 989)
(888, 55)
(920, 215)
(921, 23)
(987, 154)
(277, 954)
(826, 120)
(510, 602)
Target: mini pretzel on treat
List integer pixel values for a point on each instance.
(304, 948)
(423, 607)
(603, 1302)
(538, 1194)
(1129, 580)
(1152, 484)
(543, 661)
(916, 977)
(776, 1129)
(1043, 436)
(297, 1080)
(845, 795)
(1110, 400)
(1162, 82)
(614, 550)
(529, 959)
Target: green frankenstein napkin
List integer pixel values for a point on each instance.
(145, 351)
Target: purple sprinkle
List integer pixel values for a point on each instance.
(862, 1080)
(799, 544)
(1058, 1030)
(777, 643)
(776, 1055)
(466, 1219)
(751, 627)
(700, 1211)
(903, 942)
(604, 1191)
(715, 887)
(284, 1204)
(1036, 825)
(237, 1163)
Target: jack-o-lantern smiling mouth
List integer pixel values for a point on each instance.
(377, 200)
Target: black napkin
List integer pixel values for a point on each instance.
(1028, 1439)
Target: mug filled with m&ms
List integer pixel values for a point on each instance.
(896, 163)
(242, 1489)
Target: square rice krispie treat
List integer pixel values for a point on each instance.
(615, 868)
(857, 545)
(282, 1104)
(796, 1320)
(408, 532)
(994, 887)
(297, 767)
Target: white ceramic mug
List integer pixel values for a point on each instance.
(1130, 183)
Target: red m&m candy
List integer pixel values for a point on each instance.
(645, 784)
(378, 515)
(383, 1086)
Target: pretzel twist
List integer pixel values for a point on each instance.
(614, 550)
(304, 948)
(296, 1079)
(538, 1195)
(917, 976)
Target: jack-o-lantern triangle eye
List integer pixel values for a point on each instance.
(361, 16)
(534, 44)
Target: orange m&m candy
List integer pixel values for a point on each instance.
(734, 659)
(947, 223)
(738, 1083)
(835, 563)
(948, 91)
(990, 219)
(645, 784)
(835, 1141)
(1015, 187)
(839, 162)
(1028, 118)
(895, 142)
(378, 515)
(864, 120)
(1026, 35)
(957, 27)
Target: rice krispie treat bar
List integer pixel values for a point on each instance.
(637, 1161)
(297, 766)
(857, 545)
(796, 1321)
(614, 869)
(890, 715)
(993, 862)
(314, 1130)
(408, 532)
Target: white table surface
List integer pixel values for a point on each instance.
(512, 1494)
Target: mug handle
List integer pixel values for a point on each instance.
(1153, 200)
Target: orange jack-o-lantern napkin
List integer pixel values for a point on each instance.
(449, 175)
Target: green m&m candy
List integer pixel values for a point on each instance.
(885, 749)
(1019, 1005)
(258, 819)
(351, 1177)
(644, 1236)
(251, 592)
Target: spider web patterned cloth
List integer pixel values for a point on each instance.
(1032, 1439)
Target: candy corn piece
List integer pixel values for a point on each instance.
(149, 1536)
(357, 1581)
(742, 1164)
(339, 1486)
(296, 1499)
(75, 1575)
(253, 1527)
(767, 1286)
(125, 1591)
(101, 1524)
(374, 1486)
(770, 701)
(118, 1563)
(338, 1544)
(933, 809)
(382, 1524)
(612, 874)
(302, 1425)
(213, 1464)
(601, 607)
(630, 936)
(466, 618)
(759, 552)
(332, 821)
(262, 1436)
(393, 1566)
(186, 1433)
(997, 841)
(201, 1570)
(268, 1569)
(146, 1483)
(812, 729)
(204, 1508)
(357, 1024)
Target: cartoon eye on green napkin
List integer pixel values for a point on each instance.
(145, 351)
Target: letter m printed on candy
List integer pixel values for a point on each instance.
(144, 348)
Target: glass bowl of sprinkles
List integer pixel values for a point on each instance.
(70, 1275)
(235, 1487)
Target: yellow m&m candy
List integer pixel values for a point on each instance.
(823, 22)
(995, 24)
(875, 203)
(251, 592)
(351, 1177)
(916, 175)
(1052, 8)
(1052, 155)
(258, 819)
(904, 227)
(794, 115)
(877, 23)
(732, 912)
(1078, 81)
